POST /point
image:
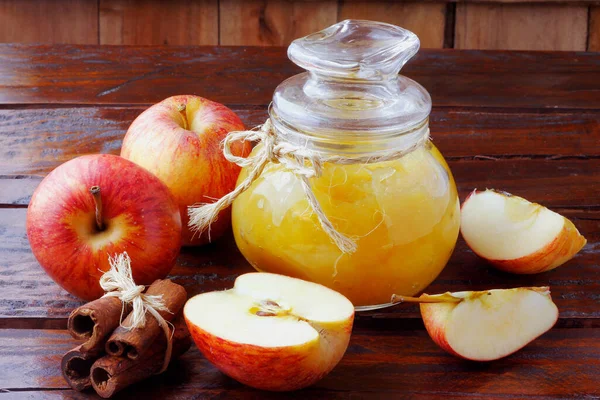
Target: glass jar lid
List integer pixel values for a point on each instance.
(352, 87)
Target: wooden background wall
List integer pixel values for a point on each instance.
(483, 24)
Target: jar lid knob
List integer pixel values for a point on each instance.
(355, 49)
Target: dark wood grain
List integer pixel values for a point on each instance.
(28, 295)
(526, 153)
(34, 141)
(535, 179)
(272, 23)
(150, 22)
(385, 362)
(426, 19)
(521, 26)
(16, 190)
(523, 122)
(49, 21)
(248, 75)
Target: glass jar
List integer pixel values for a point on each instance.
(391, 191)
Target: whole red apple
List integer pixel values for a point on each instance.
(179, 141)
(97, 206)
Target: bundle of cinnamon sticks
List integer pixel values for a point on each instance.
(114, 357)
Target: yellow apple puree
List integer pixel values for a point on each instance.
(404, 215)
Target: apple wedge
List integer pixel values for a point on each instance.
(270, 331)
(515, 235)
(486, 325)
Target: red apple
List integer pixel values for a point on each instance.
(136, 214)
(272, 332)
(179, 141)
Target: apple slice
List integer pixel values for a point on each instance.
(271, 331)
(515, 235)
(486, 325)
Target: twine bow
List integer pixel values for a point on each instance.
(302, 161)
(118, 282)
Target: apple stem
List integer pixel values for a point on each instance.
(95, 191)
(181, 108)
(426, 298)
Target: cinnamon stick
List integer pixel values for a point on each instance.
(76, 366)
(111, 374)
(132, 343)
(95, 321)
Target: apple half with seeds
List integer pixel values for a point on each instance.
(270, 331)
(486, 325)
(515, 235)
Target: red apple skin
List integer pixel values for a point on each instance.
(189, 162)
(435, 317)
(273, 369)
(568, 243)
(141, 218)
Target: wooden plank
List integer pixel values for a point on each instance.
(390, 364)
(49, 21)
(98, 74)
(41, 138)
(33, 141)
(16, 190)
(272, 22)
(28, 296)
(594, 29)
(248, 75)
(534, 179)
(427, 20)
(523, 1)
(154, 22)
(531, 178)
(521, 26)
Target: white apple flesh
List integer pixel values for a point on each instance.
(487, 325)
(515, 235)
(270, 331)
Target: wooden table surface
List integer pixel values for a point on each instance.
(527, 123)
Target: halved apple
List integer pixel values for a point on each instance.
(516, 235)
(270, 331)
(486, 325)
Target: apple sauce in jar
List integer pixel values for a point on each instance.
(389, 190)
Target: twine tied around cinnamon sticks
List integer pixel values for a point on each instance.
(118, 282)
(305, 163)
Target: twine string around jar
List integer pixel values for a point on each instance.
(118, 282)
(305, 163)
